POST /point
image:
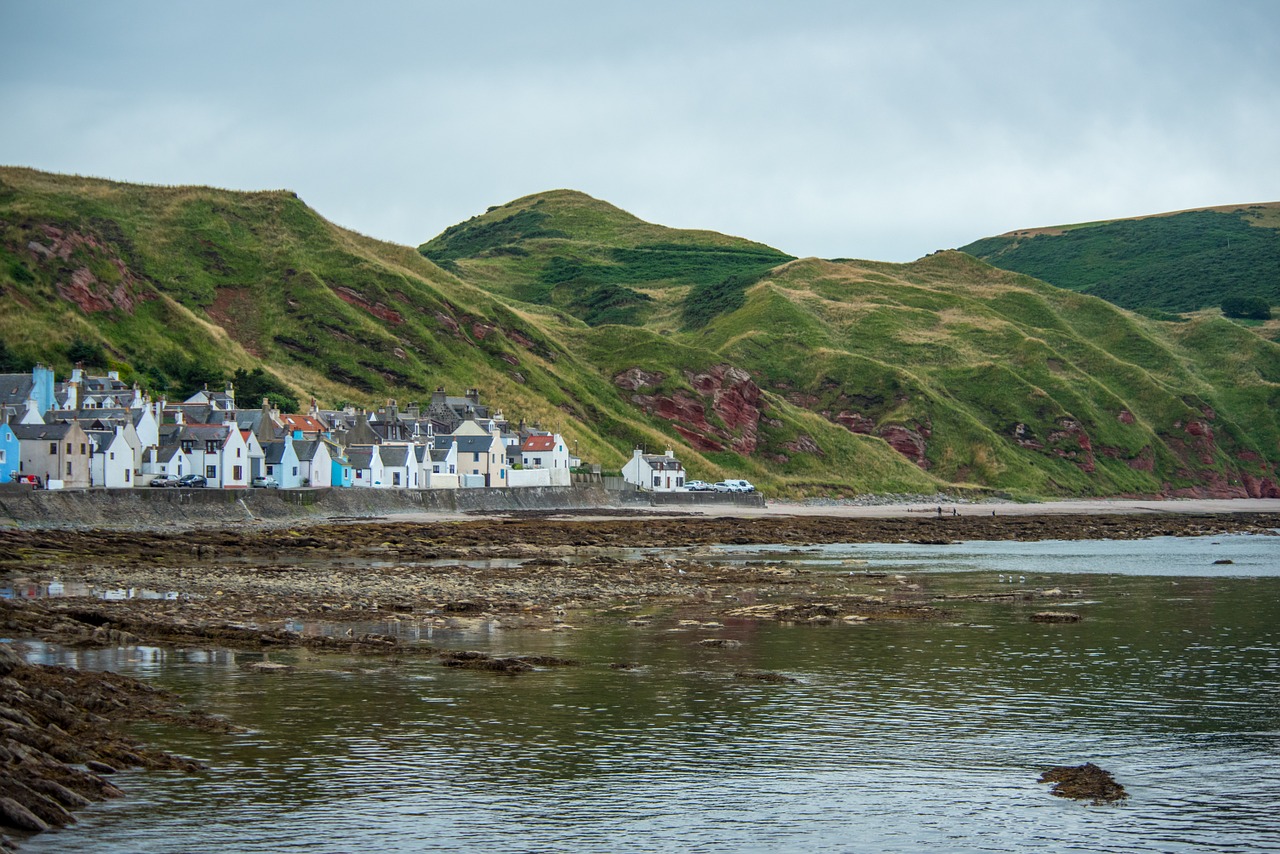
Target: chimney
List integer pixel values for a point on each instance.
(671, 453)
(473, 395)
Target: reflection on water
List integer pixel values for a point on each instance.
(898, 737)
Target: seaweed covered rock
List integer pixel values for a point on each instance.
(1085, 782)
(57, 741)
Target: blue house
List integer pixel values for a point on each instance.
(9, 454)
(343, 473)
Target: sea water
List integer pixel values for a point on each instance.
(897, 736)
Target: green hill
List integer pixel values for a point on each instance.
(599, 263)
(1178, 262)
(806, 376)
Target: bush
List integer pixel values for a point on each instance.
(87, 353)
(1248, 308)
(11, 362)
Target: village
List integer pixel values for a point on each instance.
(100, 432)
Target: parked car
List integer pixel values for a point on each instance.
(265, 482)
(698, 486)
(33, 479)
(193, 480)
(734, 486)
(164, 480)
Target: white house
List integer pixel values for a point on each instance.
(366, 466)
(167, 459)
(653, 472)
(399, 465)
(439, 467)
(547, 451)
(281, 462)
(316, 459)
(115, 460)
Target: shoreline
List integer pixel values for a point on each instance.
(149, 511)
(252, 588)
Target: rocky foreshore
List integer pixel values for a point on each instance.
(60, 743)
(250, 588)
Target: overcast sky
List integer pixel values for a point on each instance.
(837, 129)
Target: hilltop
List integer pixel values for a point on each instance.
(808, 377)
(600, 263)
(1174, 262)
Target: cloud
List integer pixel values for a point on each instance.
(833, 129)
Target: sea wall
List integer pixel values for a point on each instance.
(152, 507)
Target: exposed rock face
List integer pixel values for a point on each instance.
(71, 253)
(1071, 442)
(377, 309)
(724, 393)
(635, 379)
(910, 443)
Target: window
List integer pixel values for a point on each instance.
(68, 468)
(475, 457)
(127, 473)
(237, 473)
(111, 455)
(395, 478)
(82, 450)
(1, 455)
(53, 449)
(211, 446)
(210, 471)
(270, 469)
(295, 471)
(68, 447)
(657, 480)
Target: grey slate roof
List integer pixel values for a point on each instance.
(29, 432)
(394, 455)
(274, 452)
(473, 444)
(15, 389)
(360, 457)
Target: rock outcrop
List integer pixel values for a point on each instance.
(722, 410)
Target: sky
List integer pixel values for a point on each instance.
(881, 130)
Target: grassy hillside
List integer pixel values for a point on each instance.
(975, 375)
(175, 286)
(599, 263)
(807, 376)
(1177, 262)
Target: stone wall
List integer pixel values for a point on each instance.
(154, 507)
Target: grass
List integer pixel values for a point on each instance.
(1174, 263)
(1010, 383)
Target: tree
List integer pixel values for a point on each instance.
(11, 362)
(252, 386)
(88, 353)
(1248, 308)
